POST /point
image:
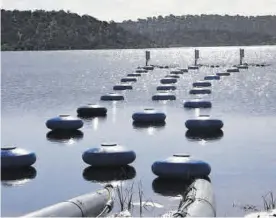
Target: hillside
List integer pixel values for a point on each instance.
(59, 30)
(41, 30)
(205, 30)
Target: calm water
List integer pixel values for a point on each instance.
(40, 85)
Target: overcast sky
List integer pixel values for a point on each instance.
(119, 10)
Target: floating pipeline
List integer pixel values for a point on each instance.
(198, 201)
(93, 205)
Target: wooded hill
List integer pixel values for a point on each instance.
(58, 30)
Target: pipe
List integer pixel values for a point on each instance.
(199, 201)
(93, 204)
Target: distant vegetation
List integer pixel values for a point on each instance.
(41, 30)
(58, 30)
(205, 30)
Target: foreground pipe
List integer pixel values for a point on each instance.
(199, 201)
(93, 204)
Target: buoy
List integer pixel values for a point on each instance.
(204, 123)
(170, 187)
(129, 79)
(172, 76)
(176, 72)
(163, 96)
(64, 136)
(168, 80)
(148, 67)
(91, 110)
(242, 66)
(13, 157)
(233, 70)
(206, 136)
(223, 74)
(134, 74)
(198, 200)
(197, 103)
(109, 155)
(149, 115)
(95, 204)
(107, 174)
(201, 84)
(181, 166)
(64, 122)
(184, 70)
(141, 71)
(122, 87)
(212, 77)
(112, 97)
(193, 67)
(196, 91)
(17, 176)
(166, 87)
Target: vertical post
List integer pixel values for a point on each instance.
(241, 55)
(196, 56)
(147, 57)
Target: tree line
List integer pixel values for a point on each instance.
(59, 30)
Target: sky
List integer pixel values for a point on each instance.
(119, 10)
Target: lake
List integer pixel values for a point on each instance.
(40, 85)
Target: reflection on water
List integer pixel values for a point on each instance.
(17, 177)
(104, 174)
(64, 137)
(170, 187)
(151, 128)
(200, 136)
(93, 121)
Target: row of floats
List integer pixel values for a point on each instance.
(111, 157)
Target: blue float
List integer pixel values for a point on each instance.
(212, 77)
(197, 103)
(112, 97)
(148, 67)
(176, 72)
(172, 76)
(13, 157)
(181, 166)
(193, 67)
(233, 70)
(166, 87)
(141, 71)
(129, 79)
(168, 80)
(200, 91)
(149, 115)
(64, 122)
(122, 87)
(202, 84)
(134, 74)
(223, 74)
(243, 67)
(91, 110)
(109, 155)
(163, 96)
(204, 123)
